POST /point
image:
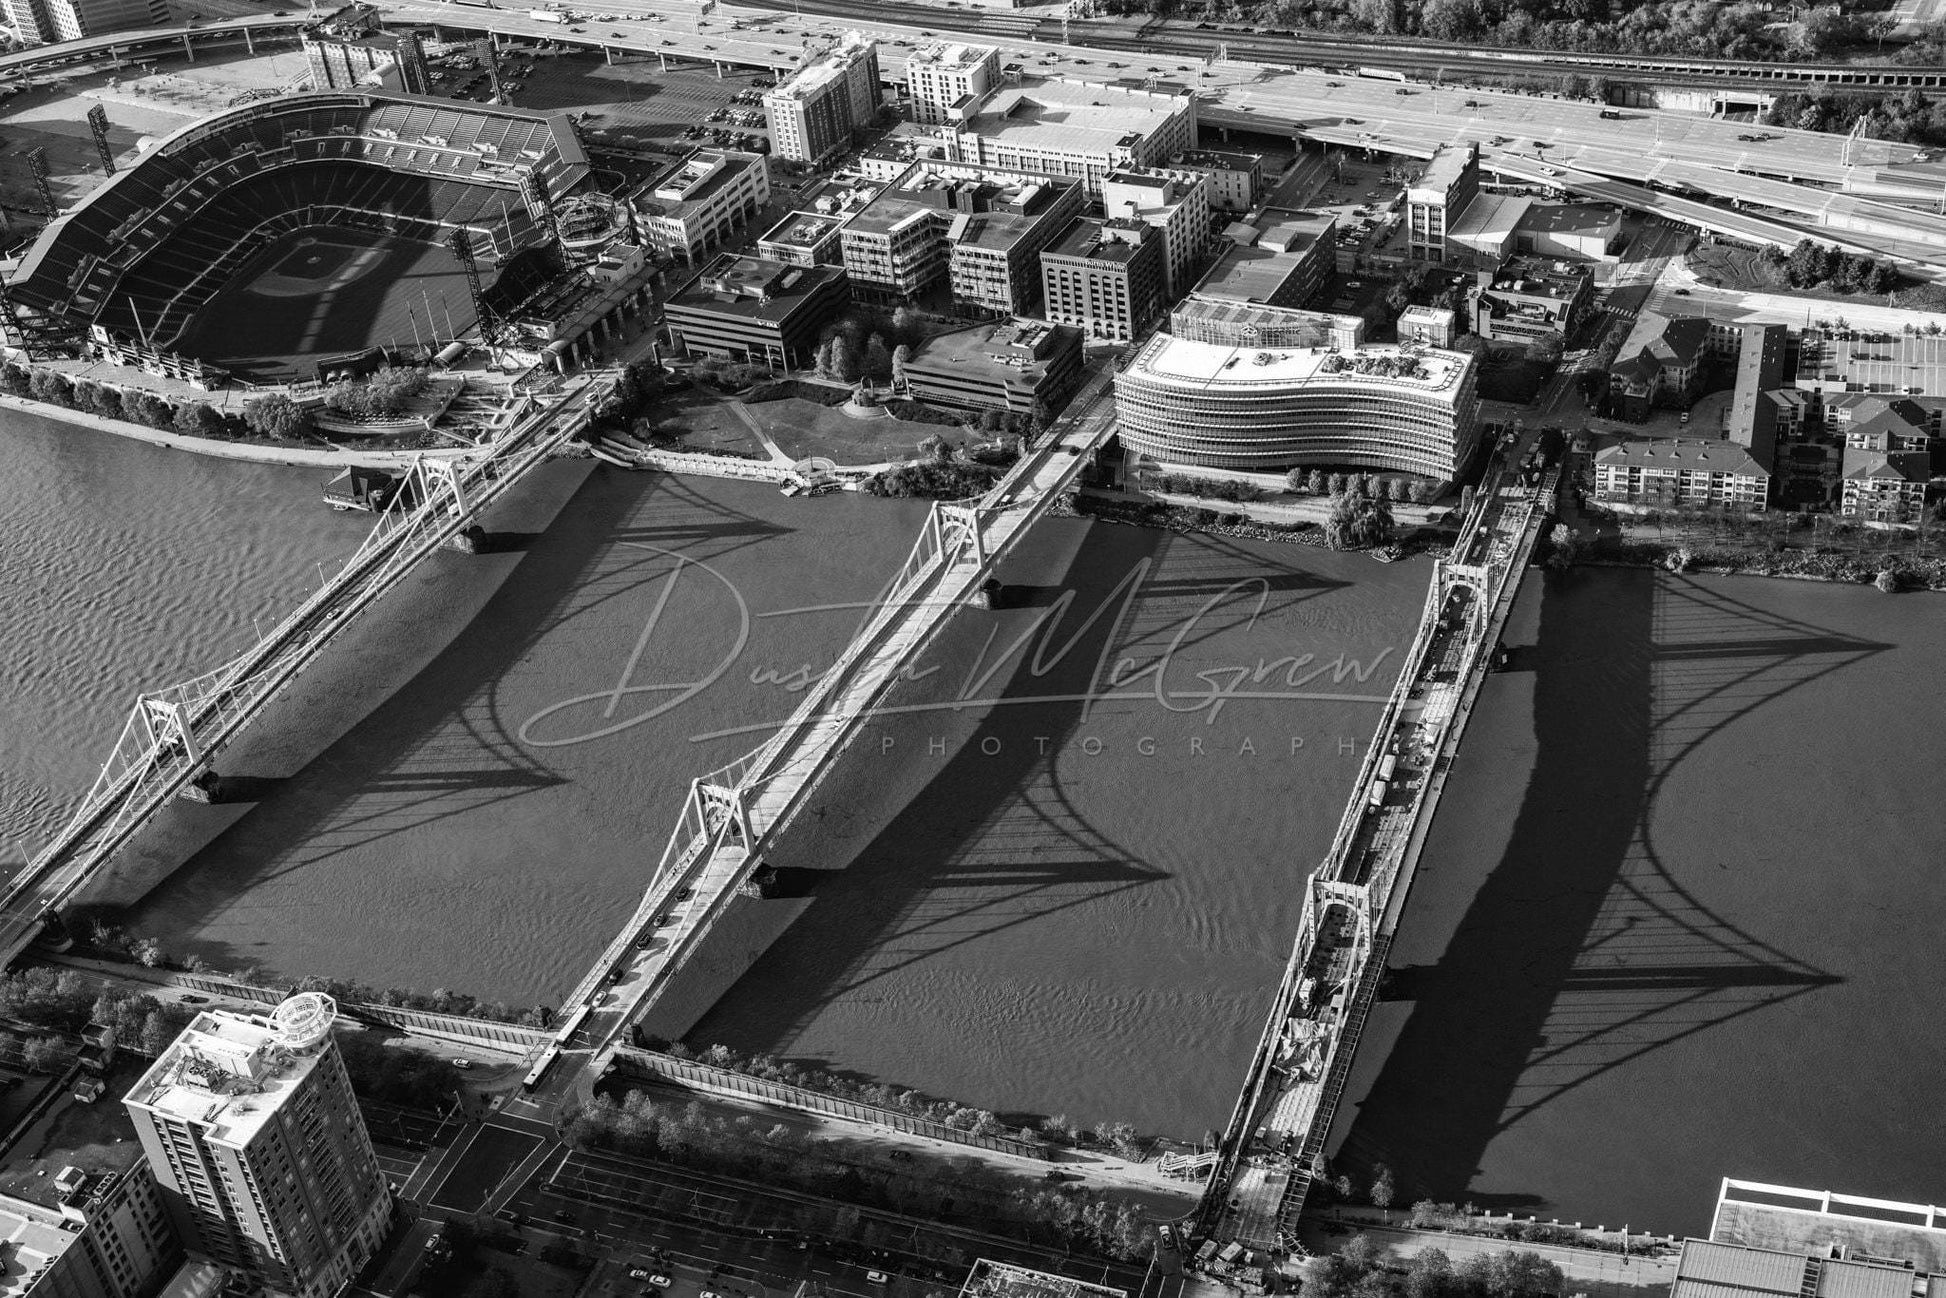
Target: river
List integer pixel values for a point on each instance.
(1675, 921)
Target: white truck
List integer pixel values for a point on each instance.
(546, 16)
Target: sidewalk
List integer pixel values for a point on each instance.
(1592, 1272)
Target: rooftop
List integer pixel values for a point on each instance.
(1019, 346)
(694, 180)
(754, 288)
(96, 1137)
(1001, 1280)
(1709, 1270)
(1074, 116)
(1887, 466)
(226, 1073)
(1222, 159)
(30, 1237)
(951, 58)
(1684, 453)
(1249, 274)
(802, 230)
(1447, 166)
(1426, 370)
(1792, 1220)
(1533, 277)
(1097, 240)
(1570, 219)
(1004, 203)
(1491, 216)
(826, 68)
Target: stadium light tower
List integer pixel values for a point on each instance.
(37, 164)
(462, 245)
(98, 123)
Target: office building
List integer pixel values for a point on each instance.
(945, 81)
(696, 205)
(1530, 301)
(1436, 201)
(1404, 409)
(750, 308)
(1104, 278)
(976, 231)
(814, 112)
(1177, 206)
(1079, 130)
(1017, 366)
(1667, 472)
(252, 1133)
(1235, 179)
(350, 49)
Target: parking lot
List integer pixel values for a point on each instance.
(632, 99)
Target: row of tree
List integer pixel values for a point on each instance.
(383, 393)
(64, 1001)
(1359, 1270)
(785, 1155)
(1741, 30)
(1907, 116)
(1813, 265)
(51, 387)
(1317, 482)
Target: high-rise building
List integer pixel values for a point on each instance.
(946, 81)
(814, 112)
(40, 22)
(262, 1157)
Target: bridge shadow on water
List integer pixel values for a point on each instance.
(987, 845)
(441, 746)
(1582, 951)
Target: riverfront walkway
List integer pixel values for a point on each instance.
(173, 735)
(1353, 901)
(734, 814)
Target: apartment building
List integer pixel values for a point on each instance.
(1667, 472)
(1104, 277)
(945, 81)
(701, 201)
(251, 1131)
(976, 231)
(1884, 486)
(815, 111)
(44, 22)
(1435, 202)
(1178, 206)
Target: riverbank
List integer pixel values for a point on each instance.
(248, 452)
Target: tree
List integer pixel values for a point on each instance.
(277, 416)
(901, 357)
(1382, 1189)
(878, 364)
(198, 419)
(15, 379)
(42, 1055)
(1356, 522)
(108, 403)
(147, 408)
(52, 387)
(845, 363)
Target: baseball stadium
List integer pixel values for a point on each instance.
(266, 237)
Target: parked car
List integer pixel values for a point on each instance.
(460, 1062)
(876, 1277)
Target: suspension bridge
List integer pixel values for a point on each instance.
(172, 735)
(732, 815)
(1262, 1171)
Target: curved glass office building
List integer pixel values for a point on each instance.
(1403, 409)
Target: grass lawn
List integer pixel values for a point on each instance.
(700, 423)
(1746, 270)
(802, 428)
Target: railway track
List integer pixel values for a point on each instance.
(1175, 39)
